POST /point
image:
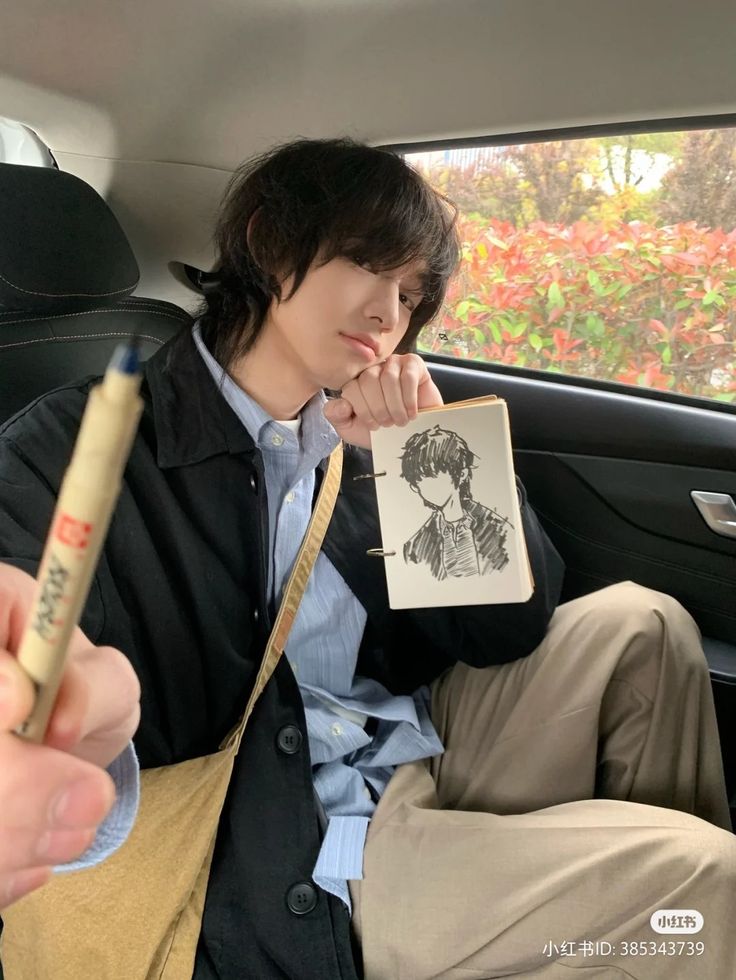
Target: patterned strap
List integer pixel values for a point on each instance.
(295, 588)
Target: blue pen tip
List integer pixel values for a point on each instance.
(126, 358)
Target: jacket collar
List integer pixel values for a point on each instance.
(192, 419)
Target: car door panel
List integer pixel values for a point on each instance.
(610, 476)
(605, 535)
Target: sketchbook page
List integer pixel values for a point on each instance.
(449, 510)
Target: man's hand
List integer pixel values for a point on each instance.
(383, 395)
(53, 796)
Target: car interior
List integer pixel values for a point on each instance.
(122, 124)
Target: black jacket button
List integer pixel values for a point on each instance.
(253, 482)
(256, 615)
(289, 739)
(301, 898)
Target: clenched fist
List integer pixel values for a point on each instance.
(383, 395)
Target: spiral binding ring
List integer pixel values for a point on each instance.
(375, 552)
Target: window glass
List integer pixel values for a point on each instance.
(18, 144)
(610, 258)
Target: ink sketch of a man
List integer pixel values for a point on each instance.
(461, 537)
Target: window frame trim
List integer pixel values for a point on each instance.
(678, 124)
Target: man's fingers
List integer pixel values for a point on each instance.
(395, 387)
(428, 394)
(100, 692)
(17, 590)
(414, 375)
(383, 395)
(16, 693)
(25, 848)
(339, 413)
(366, 397)
(64, 793)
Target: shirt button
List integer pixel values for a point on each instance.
(289, 739)
(336, 729)
(277, 440)
(301, 898)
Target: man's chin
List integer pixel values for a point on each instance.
(338, 382)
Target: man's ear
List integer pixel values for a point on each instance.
(285, 283)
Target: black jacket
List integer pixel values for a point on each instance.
(181, 589)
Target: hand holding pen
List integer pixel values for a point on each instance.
(80, 701)
(87, 497)
(54, 796)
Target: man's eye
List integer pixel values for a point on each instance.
(410, 302)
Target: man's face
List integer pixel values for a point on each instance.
(342, 319)
(436, 490)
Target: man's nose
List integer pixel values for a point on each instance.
(384, 304)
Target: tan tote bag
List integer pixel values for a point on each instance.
(138, 915)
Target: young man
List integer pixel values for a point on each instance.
(454, 797)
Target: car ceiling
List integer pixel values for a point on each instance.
(154, 102)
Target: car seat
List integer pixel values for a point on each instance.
(66, 277)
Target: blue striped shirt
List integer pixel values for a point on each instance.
(350, 767)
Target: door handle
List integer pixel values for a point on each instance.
(718, 510)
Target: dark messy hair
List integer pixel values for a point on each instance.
(320, 199)
(437, 451)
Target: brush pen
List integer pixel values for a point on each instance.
(87, 498)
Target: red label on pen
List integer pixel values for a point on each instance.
(72, 532)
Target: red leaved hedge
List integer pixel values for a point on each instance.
(634, 303)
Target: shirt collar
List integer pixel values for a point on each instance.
(468, 519)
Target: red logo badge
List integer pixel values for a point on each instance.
(72, 532)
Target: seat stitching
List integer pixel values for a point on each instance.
(85, 336)
(59, 316)
(33, 292)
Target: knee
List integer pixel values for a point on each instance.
(655, 616)
(678, 861)
(705, 854)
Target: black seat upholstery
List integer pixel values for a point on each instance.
(66, 275)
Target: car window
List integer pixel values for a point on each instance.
(611, 258)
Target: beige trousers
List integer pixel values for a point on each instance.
(580, 791)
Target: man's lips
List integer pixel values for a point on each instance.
(362, 344)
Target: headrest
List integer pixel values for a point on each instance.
(61, 247)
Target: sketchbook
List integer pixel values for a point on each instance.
(448, 508)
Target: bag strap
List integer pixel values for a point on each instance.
(295, 588)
